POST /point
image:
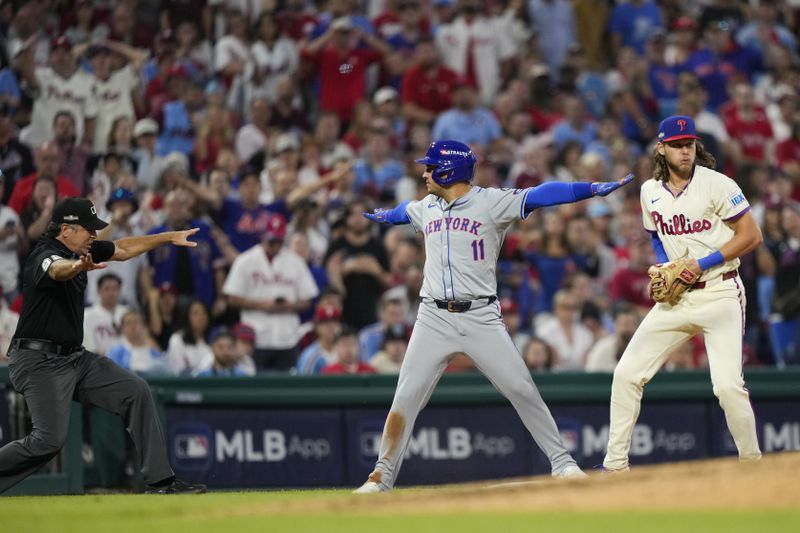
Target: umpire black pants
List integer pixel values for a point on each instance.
(50, 382)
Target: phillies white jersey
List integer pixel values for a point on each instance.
(463, 240)
(287, 276)
(113, 100)
(695, 220)
(73, 94)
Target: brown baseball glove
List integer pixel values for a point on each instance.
(668, 281)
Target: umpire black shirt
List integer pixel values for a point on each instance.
(53, 310)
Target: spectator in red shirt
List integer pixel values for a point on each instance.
(348, 360)
(630, 282)
(341, 65)
(427, 86)
(46, 160)
(749, 127)
(788, 155)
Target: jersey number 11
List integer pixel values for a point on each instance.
(477, 250)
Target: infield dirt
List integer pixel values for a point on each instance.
(719, 484)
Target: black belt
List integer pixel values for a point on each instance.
(460, 306)
(43, 346)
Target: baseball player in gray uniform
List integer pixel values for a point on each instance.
(464, 227)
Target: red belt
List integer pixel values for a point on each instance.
(702, 284)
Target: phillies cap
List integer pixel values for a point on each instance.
(77, 211)
(243, 332)
(276, 228)
(676, 127)
(327, 312)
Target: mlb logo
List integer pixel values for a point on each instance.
(191, 447)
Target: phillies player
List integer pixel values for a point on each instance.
(689, 208)
(464, 228)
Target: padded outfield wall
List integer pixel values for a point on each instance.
(289, 431)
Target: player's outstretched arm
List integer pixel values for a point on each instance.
(555, 192)
(129, 247)
(396, 216)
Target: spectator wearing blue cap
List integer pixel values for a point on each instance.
(227, 358)
(122, 204)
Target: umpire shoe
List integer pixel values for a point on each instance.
(176, 486)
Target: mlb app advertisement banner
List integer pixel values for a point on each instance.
(338, 447)
(447, 445)
(257, 447)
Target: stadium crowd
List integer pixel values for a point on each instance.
(272, 125)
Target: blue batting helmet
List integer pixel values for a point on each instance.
(454, 161)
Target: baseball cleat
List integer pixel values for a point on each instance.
(369, 487)
(570, 472)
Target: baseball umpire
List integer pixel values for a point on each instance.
(50, 368)
(464, 227)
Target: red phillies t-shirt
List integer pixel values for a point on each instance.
(433, 94)
(342, 78)
(752, 135)
(788, 152)
(630, 286)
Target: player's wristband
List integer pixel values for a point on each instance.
(711, 260)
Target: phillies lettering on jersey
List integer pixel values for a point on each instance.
(53, 92)
(679, 225)
(454, 224)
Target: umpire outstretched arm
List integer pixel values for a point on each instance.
(124, 249)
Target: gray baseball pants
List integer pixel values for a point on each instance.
(481, 334)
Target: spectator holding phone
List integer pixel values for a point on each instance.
(271, 285)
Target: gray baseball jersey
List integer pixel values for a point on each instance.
(463, 240)
(462, 243)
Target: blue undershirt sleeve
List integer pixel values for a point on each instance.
(398, 215)
(556, 192)
(658, 248)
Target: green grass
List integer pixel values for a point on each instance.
(323, 511)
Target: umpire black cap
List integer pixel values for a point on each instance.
(78, 211)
